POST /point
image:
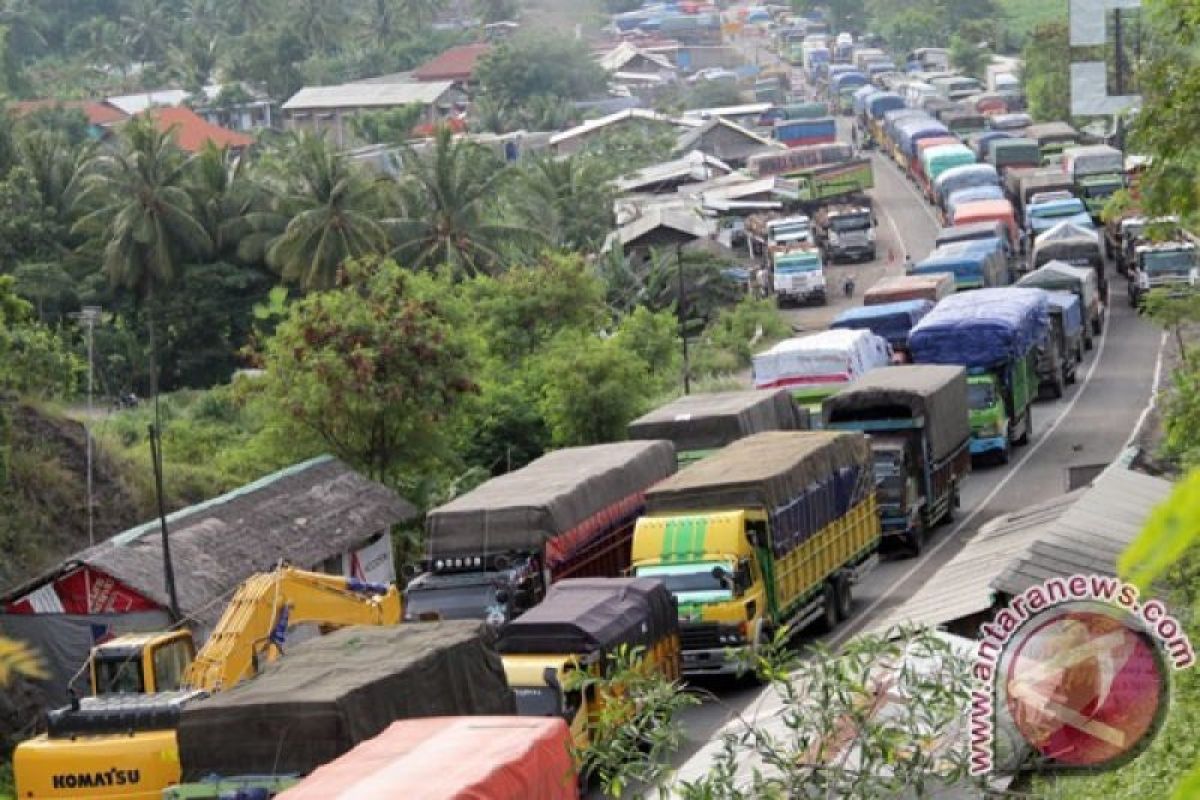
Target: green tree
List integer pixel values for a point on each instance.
(528, 65)
(967, 56)
(496, 10)
(568, 199)
(448, 199)
(375, 369)
(332, 208)
(1046, 75)
(390, 126)
(33, 360)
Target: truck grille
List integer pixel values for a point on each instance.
(700, 636)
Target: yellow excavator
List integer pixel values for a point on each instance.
(120, 741)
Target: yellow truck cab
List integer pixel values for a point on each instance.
(772, 531)
(579, 626)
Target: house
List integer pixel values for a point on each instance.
(456, 64)
(319, 514)
(666, 225)
(134, 104)
(236, 106)
(626, 57)
(577, 138)
(192, 132)
(695, 167)
(328, 108)
(728, 141)
(101, 115)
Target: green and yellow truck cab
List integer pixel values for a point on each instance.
(578, 627)
(701, 424)
(772, 531)
(994, 429)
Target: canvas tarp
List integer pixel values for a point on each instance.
(469, 758)
(1070, 243)
(1059, 275)
(767, 470)
(937, 393)
(710, 421)
(1066, 305)
(523, 510)
(893, 288)
(831, 356)
(982, 328)
(589, 615)
(331, 693)
(892, 321)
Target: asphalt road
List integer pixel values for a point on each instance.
(1090, 425)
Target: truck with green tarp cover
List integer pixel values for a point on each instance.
(918, 421)
(700, 424)
(493, 552)
(772, 531)
(336, 691)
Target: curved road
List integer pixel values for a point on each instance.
(1089, 426)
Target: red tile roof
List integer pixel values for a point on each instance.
(97, 112)
(456, 64)
(192, 131)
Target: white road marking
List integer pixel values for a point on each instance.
(862, 618)
(1155, 387)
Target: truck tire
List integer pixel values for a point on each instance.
(845, 597)
(829, 614)
(1058, 388)
(915, 540)
(1028, 429)
(1087, 337)
(1098, 325)
(1006, 453)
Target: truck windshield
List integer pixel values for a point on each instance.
(691, 581)
(120, 675)
(537, 701)
(1101, 190)
(1171, 262)
(455, 601)
(980, 395)
(792, 230)
(793, 266)
(1059, 209)
(850, 222)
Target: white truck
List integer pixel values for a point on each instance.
(798, 275)
(1001, 75)
(846, 233)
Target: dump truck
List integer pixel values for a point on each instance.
(575, 633)
(337, 691)
(493, 552)
(846, 232)
(493, 757)
(1061, 352)
(813, 367)
(701, 424)
(121, 742)
(1169, 265)
(892, 321)
(896, 288)
(918, 423)
(993, 333)
(772, 531)
(1057, 275)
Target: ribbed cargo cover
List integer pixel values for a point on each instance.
(524, 509)
(331, 693)
(895, 288)
(709, 421)
(593, 615)
(766, 470)
(982, 328)
(1060, 275)
(468, 758)
(937, 393)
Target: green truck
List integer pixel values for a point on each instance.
(993, 333)
(1098, 172)
(815, 175)
(771, 532)
(918, 423)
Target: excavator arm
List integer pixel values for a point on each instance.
(256, 621)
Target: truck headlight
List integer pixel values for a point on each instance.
(870, 234)
(834, 237)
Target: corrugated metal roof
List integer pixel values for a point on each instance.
(1090, 536)
(962, 587)
(594, 125)
(366, 95)
(694, 165)
(689, 140)
(616, 59)
(687, 223)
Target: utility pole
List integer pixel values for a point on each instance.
(88, 317)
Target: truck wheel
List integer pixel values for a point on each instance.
(1098, 325)
(845, 597)
(915, 540)
(1059, 387)
(829, 609)
(1006, 453)
(1087, 339)
(1027, 431)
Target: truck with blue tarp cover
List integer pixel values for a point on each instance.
(981, 141)
(877, 106)
(772, 531)
(970, 194)
(892, 120)
(1063, 351)
(936, 160)
(1042, 216)
(842, 90)
(974, 264)
(994, 334)
(806, 132)
(892, 321)
(909, 132)
(919, 426)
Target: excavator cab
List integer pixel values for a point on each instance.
(142, 663)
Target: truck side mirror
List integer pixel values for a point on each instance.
(722, 576)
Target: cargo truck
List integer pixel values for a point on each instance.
(936, 160)
(1063, 350)
(771, 532)
(701, 424)
(1052, 138)
(993, 333)
(965, 176)
(918, 423)
(892, 321)
(975, 264)
(1097, 171)
(815, 366)
(574, 633)
(493, 552)
(1013, 153)
(896, 288)
(1163, 265)
(493, 757)
(1057, 275)
(1071, 244)
(846, 233)
(798, 275)
(817, 175)
(806, 132)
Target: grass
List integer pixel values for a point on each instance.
(1024, 15)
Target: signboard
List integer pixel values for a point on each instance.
(1103, 36)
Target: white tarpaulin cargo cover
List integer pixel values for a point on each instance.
(834, 356)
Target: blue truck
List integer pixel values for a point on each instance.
(994, 334)
(975, 264)
(892, 321)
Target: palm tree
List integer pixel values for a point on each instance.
(134, 201)
(421, 12)
(568, 198)
(57, 166)
(246, 15)
(380, 22)
(333, 211)
(148, 28)
(237, 212)
(319, 22)
(25, 23)
(449, 210)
